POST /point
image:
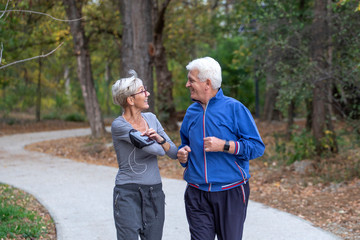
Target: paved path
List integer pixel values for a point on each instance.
(79, 196)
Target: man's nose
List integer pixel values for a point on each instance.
(187, 84)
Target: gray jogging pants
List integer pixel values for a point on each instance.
(139, 210)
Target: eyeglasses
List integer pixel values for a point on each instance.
(142, 91)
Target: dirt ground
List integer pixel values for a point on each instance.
(334, 207)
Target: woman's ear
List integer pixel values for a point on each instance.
(130, 101)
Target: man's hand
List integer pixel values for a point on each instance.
(213, 144)
(183, 154)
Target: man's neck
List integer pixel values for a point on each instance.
(212, 93)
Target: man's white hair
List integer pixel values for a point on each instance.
(208, 68)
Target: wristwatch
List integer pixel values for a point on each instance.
(226, 146)
(163, 141)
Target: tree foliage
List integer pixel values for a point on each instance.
(268, 42)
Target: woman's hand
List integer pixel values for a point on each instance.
(151, 133)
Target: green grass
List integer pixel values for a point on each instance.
(16, 220)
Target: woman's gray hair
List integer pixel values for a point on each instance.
(124, 88)
(208, 68)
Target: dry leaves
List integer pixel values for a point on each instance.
(333, 207)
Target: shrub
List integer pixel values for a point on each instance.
(301, 146)
(74, 117)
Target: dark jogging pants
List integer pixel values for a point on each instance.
(217, 213)
(139, 210)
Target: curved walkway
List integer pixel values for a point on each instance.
(79, 196)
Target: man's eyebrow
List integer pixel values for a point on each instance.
(192, 78)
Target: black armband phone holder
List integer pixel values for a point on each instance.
(138, 140)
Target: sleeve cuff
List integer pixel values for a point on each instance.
(239, 148)
(184, 164)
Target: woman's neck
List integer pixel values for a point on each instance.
(135, 119)
(132, 116)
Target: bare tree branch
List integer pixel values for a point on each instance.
(40, 56)
(5, 9)
(1, 50)
(29, 11)
(2, 46)
(48, 15)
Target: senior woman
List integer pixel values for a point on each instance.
(139, 201)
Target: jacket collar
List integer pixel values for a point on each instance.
(219, 95)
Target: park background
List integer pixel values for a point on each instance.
(294, 64)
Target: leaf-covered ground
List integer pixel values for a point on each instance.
(35, 219)
(334, 207)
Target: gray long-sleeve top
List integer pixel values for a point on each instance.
(136, 165)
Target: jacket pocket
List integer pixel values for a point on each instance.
(116, 199)
(242, 171)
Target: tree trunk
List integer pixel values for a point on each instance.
(270, 112)
(290, 122)
(67, 83)
(38, 94)
(329, 106)
(320, 49)
(165, 102)
(309, 114)
(73, 11)
(137, 41)
(107, 82)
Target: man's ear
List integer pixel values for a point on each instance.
(208, 84)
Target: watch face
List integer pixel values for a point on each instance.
(226, 146)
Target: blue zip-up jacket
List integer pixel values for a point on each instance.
(227, 119)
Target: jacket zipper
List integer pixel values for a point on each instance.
(204, 135)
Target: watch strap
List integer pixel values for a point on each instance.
(163, 141)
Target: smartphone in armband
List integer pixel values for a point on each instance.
(138, 140)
